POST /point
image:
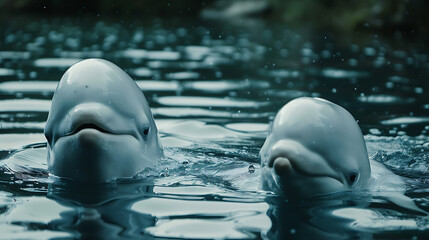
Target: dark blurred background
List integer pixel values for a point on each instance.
(369, 56)
(388, 17)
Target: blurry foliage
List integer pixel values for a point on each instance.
(344, 15)
(350, 15)
(133, 8)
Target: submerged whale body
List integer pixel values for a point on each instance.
(100, 126)
(314, 147)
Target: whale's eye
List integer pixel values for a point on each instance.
(353, 177)
(146, 131)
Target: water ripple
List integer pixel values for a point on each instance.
(149, 85)
(6, 72)
(143, 72)
(55, 62)
(22, 125)
(248, 127)
(25, 105)
(190, 112)
(340, 73)
(42, 87)
(151, 55)
(28, 86)
(385, 99)
(219, 86)
(405, 120)
(195, 101)
(16, 141)
(14, 55)
(182, 75)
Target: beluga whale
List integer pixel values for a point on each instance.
(314, 147)
(100, 126)
(315, 150)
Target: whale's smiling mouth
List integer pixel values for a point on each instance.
(287, 166)
(89, 126)
(96, 127)
(290, 156)
(95, 120)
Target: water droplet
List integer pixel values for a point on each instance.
(165, 173)
(33, 74)
(251, 168)
(369, 51)
(401, 133)
(392, 132)
(390, 84)
(418, 90)
(374, 131)
(353, 62)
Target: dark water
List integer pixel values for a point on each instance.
(213, 88)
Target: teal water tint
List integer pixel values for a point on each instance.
(213, 90)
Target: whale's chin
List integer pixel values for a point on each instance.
(92, 156)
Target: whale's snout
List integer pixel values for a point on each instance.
(87, 116)
(282, 166)
(91, 116)
(288, 156)
(98, 117)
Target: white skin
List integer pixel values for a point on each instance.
(100, 126)
(314, 147)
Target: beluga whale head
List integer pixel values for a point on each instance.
(314, 147)
(100, 126)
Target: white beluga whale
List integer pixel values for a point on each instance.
(100, 126)
(314, 147)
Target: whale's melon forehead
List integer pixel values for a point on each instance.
(315, 118)
(97, 73)
(322, 127)
(97, 80)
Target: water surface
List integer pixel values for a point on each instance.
(213, 89)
